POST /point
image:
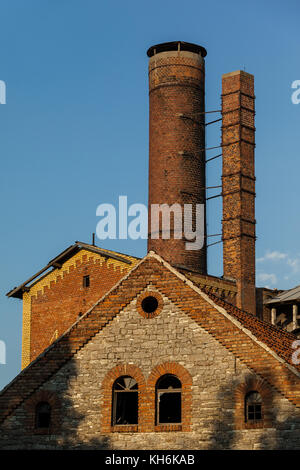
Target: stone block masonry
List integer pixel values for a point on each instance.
(146, 349)
(217, 355)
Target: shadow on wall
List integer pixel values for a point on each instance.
(286, 432)
(231, 432)
(281, 430)
(223, 435)
(74, 424)
(69, 424)
(20, 431)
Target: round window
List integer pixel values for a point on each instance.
(149, 304)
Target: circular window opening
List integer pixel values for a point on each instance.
(149, 304)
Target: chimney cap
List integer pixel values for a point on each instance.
(174, 46)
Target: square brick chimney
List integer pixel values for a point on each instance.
(238, 185)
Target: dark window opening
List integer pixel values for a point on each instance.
(149, 304)
(168, 400)
(125, 401)
(253, 407)
(42, 415)
(86, 281)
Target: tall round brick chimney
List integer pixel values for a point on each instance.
(176, 144)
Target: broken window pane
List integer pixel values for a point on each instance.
(125, 401)
(168, 398)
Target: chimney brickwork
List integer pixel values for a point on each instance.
(177, 142)
(238, 180)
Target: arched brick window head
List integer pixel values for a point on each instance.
(168, 400)
(150, 304)
(253, 404)
(42, 415)
(125, 401)
(253, 407)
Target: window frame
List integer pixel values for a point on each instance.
(86, 281)
(53, 399)
(146, 398)
(115, 394)
(246, 410)
(252, 383)
(158, 392)
(37, 412)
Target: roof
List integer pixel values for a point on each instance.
(291, 295)
(262, 347)
(57, 262)
(202, 280)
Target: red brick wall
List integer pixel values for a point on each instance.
(57, 307)
(238, 140)
(176, 156)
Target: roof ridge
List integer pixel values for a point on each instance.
(106, 249)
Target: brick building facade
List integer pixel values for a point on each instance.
(127, 353)
(60, 293)
(219, 353)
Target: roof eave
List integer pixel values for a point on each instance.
(57, 262)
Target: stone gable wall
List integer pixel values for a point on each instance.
(168, 341)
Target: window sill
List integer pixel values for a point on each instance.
(168, 427)
(43, 431)
(125, 428)
(256, 425)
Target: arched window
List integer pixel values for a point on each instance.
(42, 415)
(168, 400)
(253, 407)
(125, 401)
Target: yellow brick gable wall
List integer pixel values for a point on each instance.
(54, 276)
(26, 329)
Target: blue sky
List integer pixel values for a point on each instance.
(74, 129)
